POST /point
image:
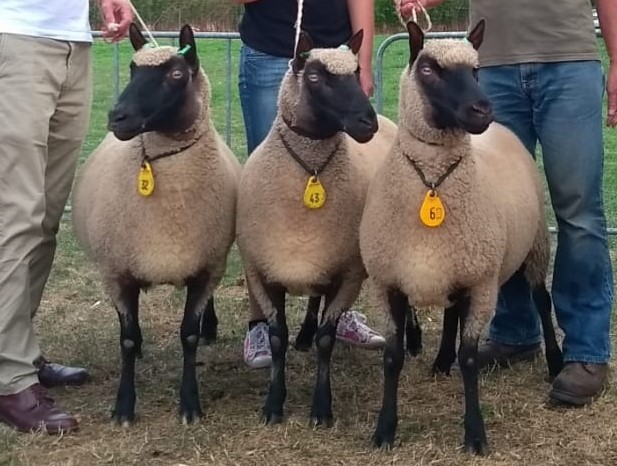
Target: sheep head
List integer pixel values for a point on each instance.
(321, 94)
(442, 78)
(167, 91)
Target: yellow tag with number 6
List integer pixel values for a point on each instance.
(145, 180)
(314, 194)
(432, 211)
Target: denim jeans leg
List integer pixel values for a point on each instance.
(568, 118)
(516, 320)
(260, 76)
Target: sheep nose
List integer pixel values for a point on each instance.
(482, 107)
(117, 115)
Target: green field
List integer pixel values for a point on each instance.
(77, 325)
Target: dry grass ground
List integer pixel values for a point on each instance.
(78, 326)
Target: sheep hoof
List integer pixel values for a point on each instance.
(440, 368)
(476, 446)
(272, 418)
(322, 421)
(191, 416)
(414, 350)
(302, 344)
(123, 420)
(383, 440)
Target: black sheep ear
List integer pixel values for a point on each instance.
(305, 44)
(356, 41)
(416, 41)
(136, 37)
(476, 36)
(188, 48)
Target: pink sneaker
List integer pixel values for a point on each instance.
(257, 353)
(352, 329)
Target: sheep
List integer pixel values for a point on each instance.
(453, 212)
(179, 232)
(300, 201)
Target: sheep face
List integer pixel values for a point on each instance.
(445, 73)
(163, 89)
(330, 98)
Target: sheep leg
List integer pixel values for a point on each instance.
(554, 358)
(125, 297)
(393, 360)
(340, 295)
(197, 291)
(209, 324)
(413, 332)
(474, 314)
(279, 338)
(304, 340)
(447, 348)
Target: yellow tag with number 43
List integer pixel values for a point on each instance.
(314, 193)
(432, 211)
(145, 180)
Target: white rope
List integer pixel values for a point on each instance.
(414, 15)
(298, 25)
(143, 25)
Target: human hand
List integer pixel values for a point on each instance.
(366, 81)
(117, 16)
(407, 7)
(611, 90)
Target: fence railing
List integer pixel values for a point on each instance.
(231, 36)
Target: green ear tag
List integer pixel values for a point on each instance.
(184, 50)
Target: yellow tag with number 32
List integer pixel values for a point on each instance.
(432, 211)
(145, 180)
(314, 193)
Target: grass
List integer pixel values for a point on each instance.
(78, 326)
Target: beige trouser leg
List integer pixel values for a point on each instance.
(45, 89)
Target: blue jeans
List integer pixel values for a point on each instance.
(260, 77)
(559, 105)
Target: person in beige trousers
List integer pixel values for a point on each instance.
(45, 97)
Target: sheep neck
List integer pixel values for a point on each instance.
(319, 151)
(432, 160)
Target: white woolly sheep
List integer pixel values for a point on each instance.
(300, 202)
(449, 217)
(177, 225)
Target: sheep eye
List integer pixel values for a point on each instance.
(426, 70)
(177, 74)
(313, 77)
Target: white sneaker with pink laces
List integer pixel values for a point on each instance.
(257, 353)
(352, 329)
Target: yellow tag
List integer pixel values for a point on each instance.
(432, 212)
(145, 180)
(314, 194)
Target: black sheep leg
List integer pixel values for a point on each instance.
(304, 340)
(125, 296)
(196, 299)
(393, 360)
(209, 324)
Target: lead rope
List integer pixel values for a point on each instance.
(414, 15)
(143, 24)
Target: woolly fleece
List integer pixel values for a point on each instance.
(186, 225)
(493, 200)
(280, 239)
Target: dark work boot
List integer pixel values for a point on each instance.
(579, 383)
(491, 353)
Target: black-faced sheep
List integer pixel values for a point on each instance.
(450, 217)
(300, 201)
(155, 203)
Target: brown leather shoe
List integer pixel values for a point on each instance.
(492, 353)
(579, 383)
(32, 409)
(54, 375)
